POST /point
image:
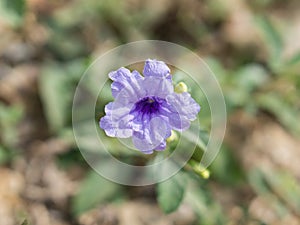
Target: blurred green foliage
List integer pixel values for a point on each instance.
(170, 192)
(10, 117)
(57, 86)
(13, 11)
(251, 84)
(94, 190)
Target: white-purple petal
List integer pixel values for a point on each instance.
(157, 86)
(176, 120)
(117, 121)
(152, 136)
(180, 109)
(156, 68)
(184, 104)
(126, 85)
(162, 146)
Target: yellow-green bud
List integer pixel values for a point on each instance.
(199, 169)
(205, 174)
(180, 88)
(173, 137)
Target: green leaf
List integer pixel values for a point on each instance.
(294, 60)
(170, 192)
(217, 68)
(285, 186)
(226, 168)
(94, 190)
(13, 11)
(284, 112)
(10, 116)
(56, 87)
(272, 39)
(257, 181)
(54, 97)
(66, 50)
(277, 186)
(3, 155)
(207, 208)
(25, 222)
(250, 77)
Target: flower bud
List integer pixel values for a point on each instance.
(199, 169)
(181, 87)
(205, 174)
(173, 137)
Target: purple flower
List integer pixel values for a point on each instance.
(146, 108)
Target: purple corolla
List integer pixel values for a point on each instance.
(146, 108)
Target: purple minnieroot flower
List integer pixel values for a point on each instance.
(146, 108)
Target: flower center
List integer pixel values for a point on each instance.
(147, 105)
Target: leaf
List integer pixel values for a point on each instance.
(250, 77)
(226, 168)
(257, 181)
(217, 68)
(10, 116)
(277, 186)
(170, 192)
(13, 11)
(25, 222)
(294, 60)
(273, 41)
(207, 208)
(291, 66)
(277, 105)
(285, 186)
(94, 190)
(17, 6)
(56, 88)
(3, 155)
(66, 50)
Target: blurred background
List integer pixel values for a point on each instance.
(253, 47)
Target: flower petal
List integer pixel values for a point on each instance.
(176, 120)
(152, 136)
(156, 68)
(126, 85)
(117, 122)
(185, 104)
(162, 146)
(157, 86)
(181, 109)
